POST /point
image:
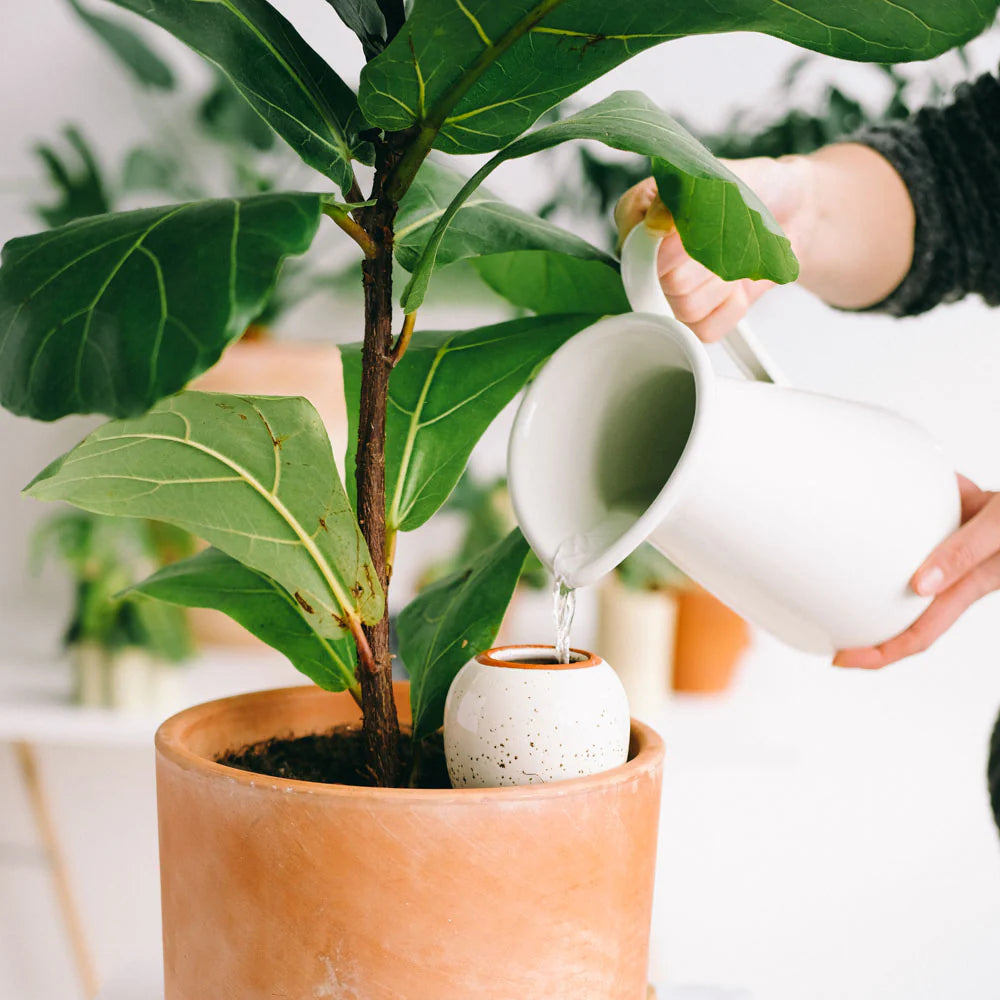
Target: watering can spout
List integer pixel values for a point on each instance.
(628, 435)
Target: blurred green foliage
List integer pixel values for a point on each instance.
(105, 556)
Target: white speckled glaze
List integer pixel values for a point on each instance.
(511, 724)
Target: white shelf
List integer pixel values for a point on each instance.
(36, 697)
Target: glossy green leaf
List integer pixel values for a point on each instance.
(284, 80)
(485, 224)
(253, 476)
(226, 116)
(212, 579)
(452, 621)
(443, 395)
(545, 282)
(474, 74)
(110, 314)
(131, 49)
(80, 185)
(366, 20)
(723, 224)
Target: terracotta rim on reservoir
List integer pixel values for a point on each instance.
(502, 656)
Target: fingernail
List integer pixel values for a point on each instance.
(659, 219)
(929, 582)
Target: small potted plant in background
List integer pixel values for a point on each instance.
(378, 889)
(637, 626)
(123, 650)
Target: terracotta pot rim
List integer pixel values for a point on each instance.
(494, 658)
(171, 743)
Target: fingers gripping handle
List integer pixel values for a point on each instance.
(642, 287)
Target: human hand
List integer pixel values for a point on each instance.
(963, 568)
(710, 306)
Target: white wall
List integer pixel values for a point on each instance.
(943, 369)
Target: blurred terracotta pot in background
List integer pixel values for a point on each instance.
(711, 639)
(280, 888)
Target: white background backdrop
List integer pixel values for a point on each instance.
(833, 840)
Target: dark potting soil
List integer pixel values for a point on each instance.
(338, 758)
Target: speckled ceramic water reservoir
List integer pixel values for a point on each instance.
(515, 717)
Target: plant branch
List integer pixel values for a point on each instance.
(352, 228)
(409, 321)
(402, 176)
(365, 657)
(381, 722)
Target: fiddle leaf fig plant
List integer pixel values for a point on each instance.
(116, 313)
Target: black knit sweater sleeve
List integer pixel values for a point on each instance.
(949, 159)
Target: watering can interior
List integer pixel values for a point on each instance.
(608, 435)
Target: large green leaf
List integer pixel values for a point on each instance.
(110, 314)
(442, 395)
(228, 118)
(474, 74)
(284, 80)
(545, 282)
(253, 476)
(485, 224)
(131, 49)
(722, 222)
(212, 579)
(452, 621)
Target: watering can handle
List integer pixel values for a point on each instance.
(642, 287)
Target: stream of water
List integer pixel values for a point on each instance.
(572, 558)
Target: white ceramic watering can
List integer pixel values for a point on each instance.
(807, 514)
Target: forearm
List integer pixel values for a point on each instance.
(949, 161)
(860, 240)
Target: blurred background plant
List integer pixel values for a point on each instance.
(112, 637)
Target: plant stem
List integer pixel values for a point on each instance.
(404, 337)
(381, 723)
(352, 228)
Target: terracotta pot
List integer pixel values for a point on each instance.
(711, 639)
(278, 888)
